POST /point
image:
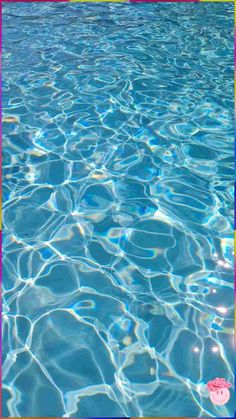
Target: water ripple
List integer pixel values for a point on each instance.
(118, 208)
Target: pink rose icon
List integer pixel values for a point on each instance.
(219, 391)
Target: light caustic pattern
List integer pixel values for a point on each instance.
(118, 236)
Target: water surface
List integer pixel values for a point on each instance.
(117, 205)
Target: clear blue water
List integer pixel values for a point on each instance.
(117, 206)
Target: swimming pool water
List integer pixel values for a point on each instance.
(117, 207)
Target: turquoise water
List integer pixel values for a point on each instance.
(118, 208)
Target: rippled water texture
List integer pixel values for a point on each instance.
(118, 153)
